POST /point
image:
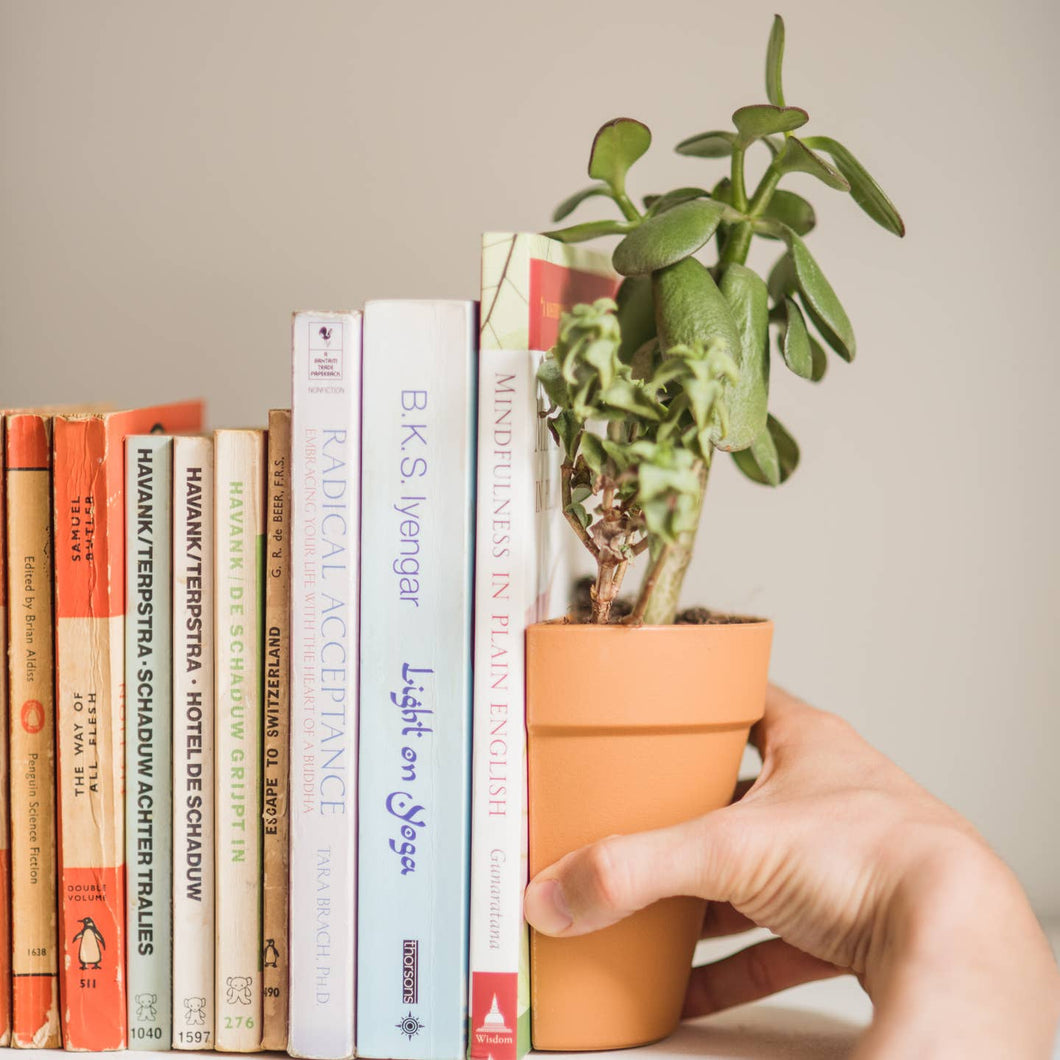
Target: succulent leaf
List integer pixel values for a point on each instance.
(792, 210)
(717, 143)
(618, 144)
(662, 203)
(746, 400)
(795, 342)
(798, 158)
(667, 238)
(765, 119)
(570, 204)
(785, 447)
(636, 315)
(774, 62)
(589, 230)
(863, 189)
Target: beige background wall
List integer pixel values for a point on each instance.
(175, 178)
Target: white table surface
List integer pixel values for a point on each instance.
(816, 1021)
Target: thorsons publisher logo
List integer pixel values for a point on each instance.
(410, 961)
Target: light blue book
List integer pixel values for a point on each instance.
(148, 738)
(417, 549)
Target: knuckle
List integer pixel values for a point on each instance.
(608, 879)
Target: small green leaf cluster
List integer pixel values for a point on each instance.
(644, 389)
(633, 445)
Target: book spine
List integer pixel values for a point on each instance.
(148, 738)
(417, 532)
(193, 743)
(277, 732)
(325, 458)
(34, 932)
(88, 490)
(505, 592)
(239, 503)
(5, 841)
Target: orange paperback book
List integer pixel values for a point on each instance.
(89, 509)
(5, 863)
(34, 939)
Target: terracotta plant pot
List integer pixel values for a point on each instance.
(629, 729)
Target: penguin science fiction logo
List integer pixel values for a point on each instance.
(92, 944)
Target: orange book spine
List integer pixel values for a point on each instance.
(34, 937)
(5, 862)
(89, 510)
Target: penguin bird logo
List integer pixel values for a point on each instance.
(90, 952)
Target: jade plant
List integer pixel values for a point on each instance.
(646, 388)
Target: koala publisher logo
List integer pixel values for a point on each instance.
(325, 352)
(410, 960)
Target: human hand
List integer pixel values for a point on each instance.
(857, 869)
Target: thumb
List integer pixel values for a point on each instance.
(601, 883)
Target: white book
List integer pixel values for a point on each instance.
(528, 281)
(193, 743)
(325, 495)
(239, 521)
(148, 737)
(417, 552)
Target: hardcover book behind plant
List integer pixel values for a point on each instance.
(528, 281)
(89, 509)
(148, 736)
(193, 742)
(325, 487)
(239, 521)
(417, 548)
(34, 933)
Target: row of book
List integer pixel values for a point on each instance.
(265, 739)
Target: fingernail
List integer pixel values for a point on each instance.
(546, 909)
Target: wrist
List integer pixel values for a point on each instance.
(961, 966)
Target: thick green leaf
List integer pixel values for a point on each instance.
(636, 315)
(589, 230)
(863, 189)
(792, 210)
(746, 400)
(569, 205)
(689, 309)
(795, 342)
(714, 144)
(798, 158)
(785, 447)
(662, 203)
(616, 147)
(722, 191)
(763, 451)
(763, 119)
(820, 300)
(667, 237)
(774, 61)
(820, 360)
(782, 280)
